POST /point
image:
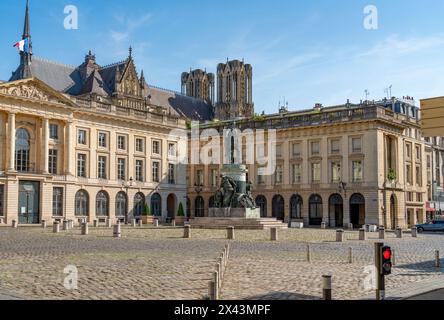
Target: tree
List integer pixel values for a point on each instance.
(180, 211)
(146, 210)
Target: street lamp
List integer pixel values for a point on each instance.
(127, 185)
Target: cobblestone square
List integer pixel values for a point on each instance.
(157, 263)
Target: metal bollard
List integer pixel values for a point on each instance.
(65, 225)
(339, 235)
(324, 225)
(85, 229)
(219, 272)
(95, 223)
(381, 233)
(56, 227)
(216, 282)
(156, 223)
(308, 253)
(230, 233)
(350, 226)
(187, 232)
(173, 223)
(274, 234)
(437, 262)
(117, 232)
(398, 233)
(14, 224)
(362, 234)
(140, 223)
(350, 255)
(326, 287)
(44, 224)
(213, 290)
(414, 232)
(393, 257)
(133, 223)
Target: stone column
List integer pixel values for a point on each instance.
(11, 127)
(45, 164)
(70, 154)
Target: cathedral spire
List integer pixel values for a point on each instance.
(26, 28)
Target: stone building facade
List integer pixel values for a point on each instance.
(360, 164)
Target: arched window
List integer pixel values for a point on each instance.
(82, 203)
(278, 207)
(22, 150)
(315, 209)
(139, 204)
(121, 205)
(296, 207)
(199, 207)
(102, 204)
(156, 205)
(261, 202)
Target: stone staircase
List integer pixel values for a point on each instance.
(237, 223)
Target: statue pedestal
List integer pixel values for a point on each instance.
(244, 213)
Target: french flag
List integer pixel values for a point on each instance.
(23, 45)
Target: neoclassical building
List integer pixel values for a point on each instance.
(89, 141)
(354, 163)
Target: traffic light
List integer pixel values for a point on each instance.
(386, 260)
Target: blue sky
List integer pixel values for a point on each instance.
(306, 51)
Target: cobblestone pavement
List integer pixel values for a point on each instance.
(148, 263)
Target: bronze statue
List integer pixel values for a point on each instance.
(228, 197)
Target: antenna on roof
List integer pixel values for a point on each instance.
(130, 52)
(367, 93)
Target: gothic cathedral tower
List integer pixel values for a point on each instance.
(198, 84)
(234, 91)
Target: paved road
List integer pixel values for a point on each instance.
(159, 264)
(434, 295)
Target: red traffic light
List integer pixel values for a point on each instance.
(387, 254)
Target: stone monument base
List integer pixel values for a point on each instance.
(244, 213)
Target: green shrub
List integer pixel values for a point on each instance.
(180, 211)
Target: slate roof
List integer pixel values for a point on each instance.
(102, 81)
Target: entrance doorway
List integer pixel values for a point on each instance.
(357, 210)
(336, 211)
(29, 202)
(171, 206)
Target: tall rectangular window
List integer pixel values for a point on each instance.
(140, 145)
(418, 152)
(315, 148)
(156, 147)
(335, 171)
(81, 165)
(101, 170)
(139, 170)
(52, 161)
(356, 145)
(171, 173)
(121, 169)
(53, 131)
(357, 171)
(316, 172)
(121, 142)
(102, 140)
(418, 176)
(199, 177)
(296, 149)
(260, 177)
(57, 202)
(214, 178)
(172, 150)
(156, 171)
(296, 173)
(2, 200)
(279, 174)
(408, 169)
(335, 146)
(81, 137)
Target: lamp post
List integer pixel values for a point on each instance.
(127, 185)
(198, 187)
(343, 187)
